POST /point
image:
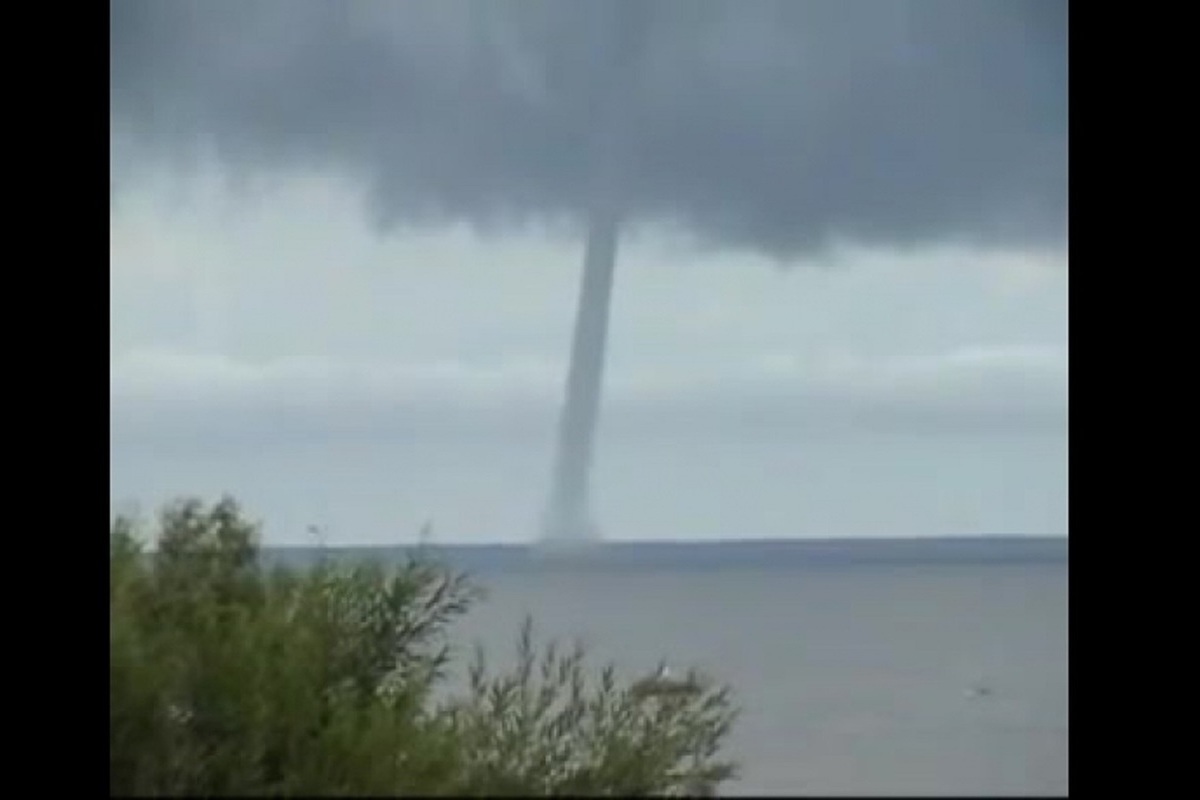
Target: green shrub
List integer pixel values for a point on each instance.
(227, 678)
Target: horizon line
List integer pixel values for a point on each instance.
(535, 543)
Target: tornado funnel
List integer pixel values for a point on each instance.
(568, 513)
(568, 516)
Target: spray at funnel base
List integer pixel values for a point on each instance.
(568, 517)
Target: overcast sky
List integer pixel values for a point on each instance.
(840, 305)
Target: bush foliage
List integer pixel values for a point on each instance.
(227, 677)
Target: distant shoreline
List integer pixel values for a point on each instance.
(781, 553)
(789, 541)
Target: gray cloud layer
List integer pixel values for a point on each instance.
(160, 398)
(768, 124)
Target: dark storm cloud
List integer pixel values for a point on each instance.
(765, 124)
